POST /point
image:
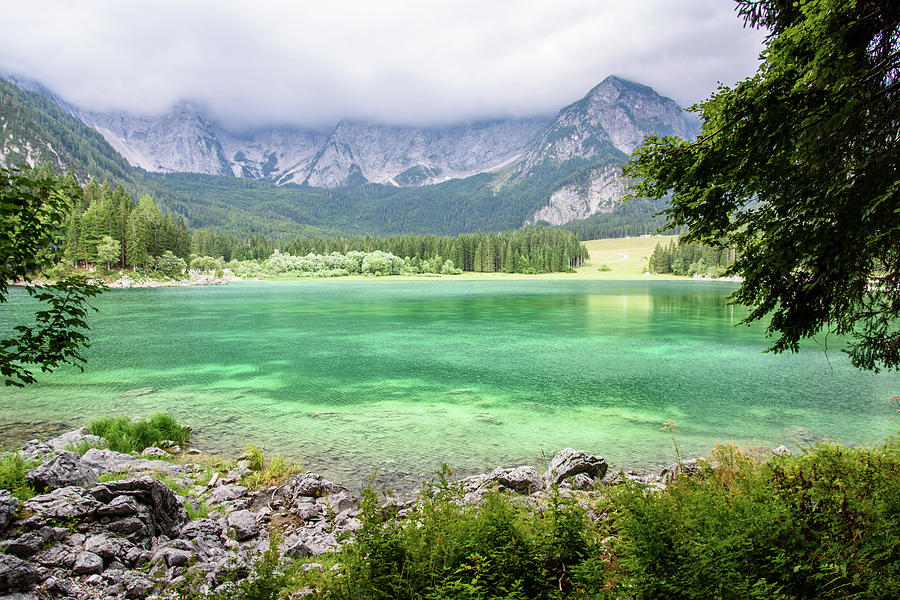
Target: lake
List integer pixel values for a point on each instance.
(354, 376)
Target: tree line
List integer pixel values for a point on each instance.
(107, 227)
(688, 260)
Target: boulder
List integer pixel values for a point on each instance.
(155, 452)
(8, 506)
(524, 480)
(689, 468)
(16, 574)
(569, 462)
(62, 470)
(243, 523)
(226, 493)
(293, 547)
(340, 501)
(87, 563)
(312, 484)
(168, 514)
(64, 503)
(137, 585)
(104, 462)
(35, 449)
(73, 438)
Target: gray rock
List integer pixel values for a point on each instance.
(226, 493)
(781, 451)
(8, 506)
(582, 481)
(64, 503)
(155, 452)
(689, 468)
(569, 462)
(307, 509)
(524, 480)
(87, 563)
(205, 529)
(173, 557)
(136, 585)
(73, 438)
(62, 470)
(312, 484)
(108, 548)
(58, 556)
(340, 502)
(243, 523)
(293, 547)
(35, 449)
(104, 462)
(119, 506)
(26, 544)
(167, 513)
(58, 587)
(16, 574)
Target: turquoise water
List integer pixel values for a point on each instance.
(400, 376)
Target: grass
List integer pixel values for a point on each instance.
(12, 475)
(264, 474)
(126, 435)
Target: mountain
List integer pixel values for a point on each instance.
(353, 153)
(589, 140)
(358, 177)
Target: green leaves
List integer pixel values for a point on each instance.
(796, 168)
(33, 206)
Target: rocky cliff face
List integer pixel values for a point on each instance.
(181, 141)
(356, 152)
(607, 124)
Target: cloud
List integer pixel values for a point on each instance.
(399, 61)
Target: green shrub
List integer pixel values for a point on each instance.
(448, 549)
(12, 475)
(825, 524)
(125, 435)
(604, 268)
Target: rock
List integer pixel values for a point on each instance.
(155, 452)
(62, 470)
(104, 462)
(58, 556)
(16, 574)
(781, 451)
(582, 481)
(687, 467)
(108, 548)
(8, 506)
(205, 529)
(307, 509)
(173, 557)
(87, 563)
(58, 587)
(243, 523)
(226, 493)
(119, 506)
(136, 585)
(524, 480)
(569, 462)
(312, 484)
(73, 438)
(64, 503)
(293, 547)
(35, 449)
(168, 514)
(340, 501)
(26, 544)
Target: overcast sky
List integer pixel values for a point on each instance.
(254, 63)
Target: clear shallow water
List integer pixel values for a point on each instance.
(401, 376)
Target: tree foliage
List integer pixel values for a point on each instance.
(797, 169)
(33, 206)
